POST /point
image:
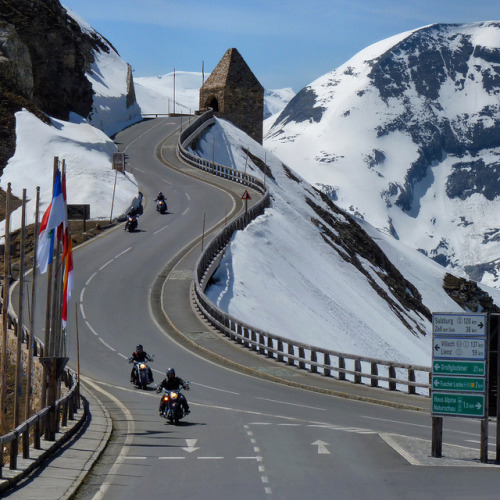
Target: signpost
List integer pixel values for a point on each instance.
(459, 373)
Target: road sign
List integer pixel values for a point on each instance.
(442, 367)
(459, 348)
(458, 384)
(473, 324)
(465, 405)
(246, 195)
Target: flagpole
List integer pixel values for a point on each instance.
(48, 308)
(5, 307)
(20, 320)
(27, 409)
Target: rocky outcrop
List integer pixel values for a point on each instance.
(44, 55)
(468, 295)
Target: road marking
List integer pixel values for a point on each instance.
(91, 329)
(90, 279)
(210, 458)
(106, 264)
(126, 445)
(322, 447)
(185, 211)
(160, 230)
(190, 445)
(106, 344)
(291, 404)
(124, 252)
(134, 458)
(258, 459)
(406, 455)
(216, 389)
(171, 458)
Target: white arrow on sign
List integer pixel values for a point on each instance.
(322, 447)
(479, 406)
(190, 445)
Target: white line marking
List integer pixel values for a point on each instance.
(134, 458)
(215, 388)
(392, 443)
(124, 251)
(268, 491)
(188, 197)
(82, 312)
(106, 344)
(256, 449)
(160, 230)
(90, 279)
(264, 479)
(185, 211)
(210, 458)
(139, 170)
(171, 458)
(91, 329)
(122, 355)
(291, 404)
(248, 458)
(106, 265)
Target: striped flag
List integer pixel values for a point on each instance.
(67, 257)
(52, 218)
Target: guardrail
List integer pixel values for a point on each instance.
(33, 428)
(307, 357)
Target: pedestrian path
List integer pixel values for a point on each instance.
(61, 475)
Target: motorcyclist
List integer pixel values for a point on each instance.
(172, 383)
(160, 197)
(131, 212)
(140, 355)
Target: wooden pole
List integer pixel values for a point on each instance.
(5, 308)
(48, 308)
(27, 410)
(20, 322)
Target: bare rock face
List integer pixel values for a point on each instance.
(59, 54)
(44, 56)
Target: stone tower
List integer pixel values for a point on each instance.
(235, 94)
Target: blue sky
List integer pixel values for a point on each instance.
(286, 43)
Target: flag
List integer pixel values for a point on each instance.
(67, 257)
(68, 275)
(52, 218)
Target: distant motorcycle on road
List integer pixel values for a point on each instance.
(161, 206)
(141, 374)
(131, 224)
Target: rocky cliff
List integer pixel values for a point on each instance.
(44, 58)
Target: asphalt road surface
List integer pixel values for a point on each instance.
(246, 437)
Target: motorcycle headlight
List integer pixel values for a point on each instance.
(142, 366)
(173, 395)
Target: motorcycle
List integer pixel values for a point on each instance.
(142, 374)
(172, 406)
(161, 206)
(131, 223)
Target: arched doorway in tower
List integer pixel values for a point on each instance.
(213, 103)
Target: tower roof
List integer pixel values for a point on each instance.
(232, 71)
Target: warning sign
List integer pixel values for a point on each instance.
(246, 196)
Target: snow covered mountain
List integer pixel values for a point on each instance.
(406, 135)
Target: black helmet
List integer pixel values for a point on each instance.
(171, 371)
(160, 194)
(138, 347)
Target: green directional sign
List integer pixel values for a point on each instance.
(441, 367)
(458, 384)
(465, 405)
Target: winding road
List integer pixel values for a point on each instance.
(246, 437)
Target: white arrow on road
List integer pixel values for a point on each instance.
(190, 445)
(322, 447)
